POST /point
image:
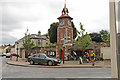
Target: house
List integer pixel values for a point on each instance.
(38, 40)
(97, 48)
(11, 49)
(4, 49)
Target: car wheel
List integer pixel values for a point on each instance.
(31, 62)
(55, 64)
(50, 63)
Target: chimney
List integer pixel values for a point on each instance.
(39, 33)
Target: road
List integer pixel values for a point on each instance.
(10, 71)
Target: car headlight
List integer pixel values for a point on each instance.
(55, 60)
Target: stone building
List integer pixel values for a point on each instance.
(97, 48)
(38, 39)
(64, 29)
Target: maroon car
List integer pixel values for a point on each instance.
(13, 54)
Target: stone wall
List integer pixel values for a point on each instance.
(37, 50)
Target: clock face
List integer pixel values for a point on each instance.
(62, 22)
(69, 22)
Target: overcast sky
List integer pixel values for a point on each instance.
(38, 15)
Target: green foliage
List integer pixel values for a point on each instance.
(83, 39)
(105, 35)
(22, 47)
(27, 43)
(52, 31)
(108, 38)
(96, 37)
(74, 30)
(52, 45)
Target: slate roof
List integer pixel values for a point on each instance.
(45, 36)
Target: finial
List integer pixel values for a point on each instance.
(27, 28)
(65, 10)
(65, 4)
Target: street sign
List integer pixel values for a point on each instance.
(69, 44)
(66, 36)
(62, 39)
(67, 41)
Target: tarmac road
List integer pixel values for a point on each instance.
(10, 71)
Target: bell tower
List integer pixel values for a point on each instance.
(64, 29)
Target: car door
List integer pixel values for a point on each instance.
(36, 58)
(42, 59)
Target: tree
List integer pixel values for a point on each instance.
(108, 38)
(27, 43)
(83, 39)
(105, 35)
(74, 30)
(96, 37)
(52, 31)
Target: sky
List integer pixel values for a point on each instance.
(18, 15)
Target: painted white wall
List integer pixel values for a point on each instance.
(106, 52)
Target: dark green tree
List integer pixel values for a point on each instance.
(52, 31)
(27, 43)
(74, 31)
(105, 35)
(96, 37)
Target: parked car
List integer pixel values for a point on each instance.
(4, 54)
(8, 55)
(14, 54)
(43, 59)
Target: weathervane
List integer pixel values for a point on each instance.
(65, 10)
(65, 4)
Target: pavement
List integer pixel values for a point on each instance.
(68, 64)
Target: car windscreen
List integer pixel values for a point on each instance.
(36, 55)
(43, 56)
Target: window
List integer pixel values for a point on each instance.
(46, 43)
(36, 55)
(69, 23)
(42, 56)
(40, 42)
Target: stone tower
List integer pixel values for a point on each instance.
(64, 29)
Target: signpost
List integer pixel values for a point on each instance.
(69, 44)
(66, 41)
(65, 44)
(67, 37)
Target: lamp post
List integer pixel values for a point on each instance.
(17, 52)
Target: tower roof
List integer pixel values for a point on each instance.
(65, 12)
(64, 16)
